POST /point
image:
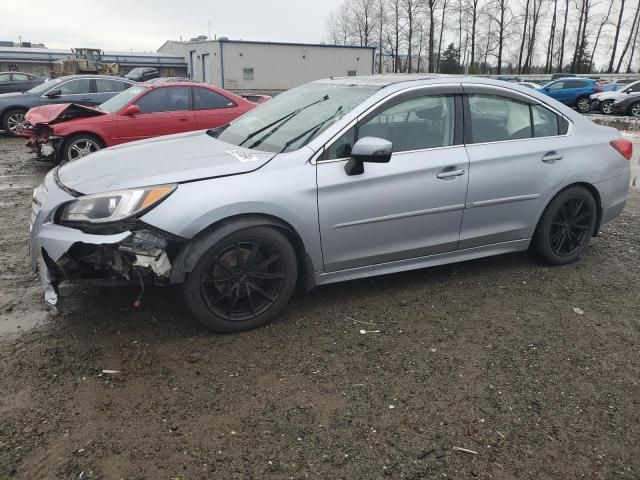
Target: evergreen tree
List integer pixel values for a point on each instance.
(450, 60)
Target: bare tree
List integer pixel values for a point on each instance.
(474, 12)
(628, 42)
(524, 35)
(445, 3)
(552, 37)
(617, 36)
(605, 21)
(564, 36)
(431, 6)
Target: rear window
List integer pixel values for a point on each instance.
(206, 99)
(575, 84)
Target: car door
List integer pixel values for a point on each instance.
(213, 109)
(556, 90)
(77, 90)
(6, 84)
(514, 166)
(407, 208)
(163, 111)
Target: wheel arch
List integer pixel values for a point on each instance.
(186, 259)
(591, 188)
(70, 136)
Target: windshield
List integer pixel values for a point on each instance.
(294, 118)
(46, 86)
(116, 103)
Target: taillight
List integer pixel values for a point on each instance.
(624, 147)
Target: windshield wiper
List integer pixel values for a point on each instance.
(282, 121)
(311, 132)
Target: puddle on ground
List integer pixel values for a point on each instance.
(20, 322)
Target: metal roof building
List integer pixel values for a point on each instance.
(40, 60)
(268, 67)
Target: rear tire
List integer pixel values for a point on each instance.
(80, 145)
(583, 104)
(243, 281)
(566, 226)
(12, 120)
(634, 109)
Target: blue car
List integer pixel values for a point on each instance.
(573, 92)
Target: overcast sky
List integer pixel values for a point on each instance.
(144, 25)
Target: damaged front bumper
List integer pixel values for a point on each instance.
(139, 255)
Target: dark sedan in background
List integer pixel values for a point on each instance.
(627, 105)
(18, 81)
(89, 90)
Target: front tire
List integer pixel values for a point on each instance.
(583, 104)
(606, 107)
(243, 281)
(566, 227)
(12, 120)
(81, 145)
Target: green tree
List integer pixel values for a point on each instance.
(450, 60)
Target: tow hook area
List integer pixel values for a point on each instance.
(149, 250)
(142, 257)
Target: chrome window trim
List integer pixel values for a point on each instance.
(527, 98)
(352, 123)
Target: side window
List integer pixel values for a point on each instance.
(165, 99)
(415, 124)
(5, 77)
(575, 84)
(206, 99)
(545, 122)
(20, 77)
(495, 119)
(556, 86)
(634, 88)
(76, 87)
(104, 85)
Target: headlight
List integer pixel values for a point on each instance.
(114, 206)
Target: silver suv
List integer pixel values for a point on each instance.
(337, 179)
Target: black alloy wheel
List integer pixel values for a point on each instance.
(570, 226)
(566, 227)
(243, 281)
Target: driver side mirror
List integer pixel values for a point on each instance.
(131, 110)
(54, 93)
(368, 149)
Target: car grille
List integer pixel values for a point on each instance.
(38, 195)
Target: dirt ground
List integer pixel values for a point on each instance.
(500, 368)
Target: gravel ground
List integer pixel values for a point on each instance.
(498, 368)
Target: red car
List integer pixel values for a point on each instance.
(69, 131)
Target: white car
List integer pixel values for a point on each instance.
(603, 101)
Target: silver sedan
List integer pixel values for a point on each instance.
(338, 179)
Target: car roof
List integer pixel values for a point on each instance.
(110, 77)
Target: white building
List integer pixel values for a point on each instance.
(268, 67)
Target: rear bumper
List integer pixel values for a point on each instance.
(613, 194)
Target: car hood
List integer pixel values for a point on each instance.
(607, 96)
(171, 159)
(60, 112)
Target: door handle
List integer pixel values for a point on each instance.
(450, 174)
(552, 157)
(183, 119)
